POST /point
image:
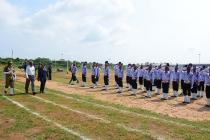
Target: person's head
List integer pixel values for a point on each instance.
(188, 69)
(42, 65)
(31, 63)
(176, 68)
(120, 65)
(9, 63)
(166, 68)
(150, 67)
(190, 65)
(141, 67)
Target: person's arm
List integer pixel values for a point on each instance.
(27, 69)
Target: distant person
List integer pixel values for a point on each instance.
(73, 70)
(140, 76)
(175, 78)
(106, 75)
(207, 83)
(97, 73)
(149, 76)
(39, 68)
(188, 84)
(94, 74)
(116, 69)
(10, 77)
(129, 76)
(166, 77)
(25, 64)
(201, 79)
(42, 77)
(134, 77)
(49, 70)
(30, 77)
(120, 77)
(84, 74)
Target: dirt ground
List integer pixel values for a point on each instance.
(173, 107)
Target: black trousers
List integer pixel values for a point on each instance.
(182, 84)
(93, 79)
(145, 83)
(116, 78)
(49, 76)
(175, 85)
(140, 80)
(127, 79)
(148, 85)
(134, 83)
(42, 86)
(106, 80)
(208, 92)
(187, 89)
(84, 79)
(201, 86)
(120, 82)
(195, 88)
(158, 83)
(165, 87)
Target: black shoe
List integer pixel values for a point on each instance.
(207, 105)
(34, 93)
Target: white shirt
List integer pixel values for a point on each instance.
(30, 70)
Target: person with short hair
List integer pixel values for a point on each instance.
(201, 82)
(73, 70)
(120, 77)
(194, 89)
(106, 75)
(84, 74)
(149, 76)
(165, 76)
(134, 80)
(30, 77)
(129, 76)
(140, 76)
(10, 77)
(42, 77)
(175, 78)
(116, 69)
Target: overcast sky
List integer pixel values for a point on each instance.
(174, 31)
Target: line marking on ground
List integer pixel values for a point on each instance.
(46, 119)
(129, 129)
(129, 112)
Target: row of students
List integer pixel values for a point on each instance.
(193, 80)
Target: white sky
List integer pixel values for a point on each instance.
(172, 31)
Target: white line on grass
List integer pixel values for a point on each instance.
(47, 120)
(129, 112)
(129, 129)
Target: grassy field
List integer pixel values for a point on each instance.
(59, 116)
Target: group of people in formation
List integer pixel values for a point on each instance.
(195, 81)
(29, 68)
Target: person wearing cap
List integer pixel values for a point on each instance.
(30, 77)
(140, 76)
(106, 75)
(116, 69)
(42, 77)
(73, 70)
(149, 76)
(10, 77)
(129, 76)
(84, 74)
(158, 80)
(134, 79)
(165, 76)
(201, 79)
(207, 84)
(175, 78)
(188, 84)
(120, 77)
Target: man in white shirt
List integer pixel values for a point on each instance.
(30, 77)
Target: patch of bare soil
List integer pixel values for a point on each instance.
(172, 107)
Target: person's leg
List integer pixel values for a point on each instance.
(11, 88)
(32, 79)
(208, 96)
(185, 92)
(27, 85)
(43, 88)
(188, 92)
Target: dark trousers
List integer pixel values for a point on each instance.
(93, 79)
(106, 80)
(175, 85)
(127, 79)
(140, 80)
(84, 78)
(148, 85)
(165, 87)
(145, 83)
(49, 76)
(195, 88)
(31, 79)
(158, 83)
(116, 79)
(42, 86)
(201, 86)
(9, 83)
(134, 83)
(182, 84)
(187, 89)
(208, 92)
(120, 82)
